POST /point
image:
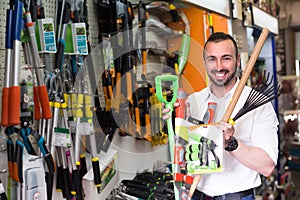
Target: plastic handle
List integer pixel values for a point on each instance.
(66, 183)
(37, 106)
(77, 184)
(50, 163)
(44, 100)
(10, 155)
(59, 182)
(67, 13)
(50, 182)
(59, 57)
(184, 52)
(181, 98)
(14, 105)
(34, 12)
(96, 170)
(158, 86)
(17, 20)
(18, 164)
(8, 35)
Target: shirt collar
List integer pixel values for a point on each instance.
(229, 94)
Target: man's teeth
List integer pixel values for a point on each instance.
(220, 74)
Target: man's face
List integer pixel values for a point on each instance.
(221, 62)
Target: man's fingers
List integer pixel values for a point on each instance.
(165, 117)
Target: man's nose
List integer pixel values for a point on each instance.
(219, 65)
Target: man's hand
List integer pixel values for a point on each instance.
(228, 131)
(165, 111)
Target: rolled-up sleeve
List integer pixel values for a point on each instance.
(265, 130)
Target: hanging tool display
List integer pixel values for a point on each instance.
(40, 90)
(84, 124)
(61, 139)
(107, 17)
(11, 92)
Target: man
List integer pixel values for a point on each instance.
(251, 145)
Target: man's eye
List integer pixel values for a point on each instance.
(227, 59)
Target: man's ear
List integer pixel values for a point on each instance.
(238, 60)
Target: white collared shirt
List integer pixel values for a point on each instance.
(256, 128)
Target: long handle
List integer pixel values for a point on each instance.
(14, 92)
(8, 60)
(95, 159)
(59, 56)
(246, 73)
(41, 89)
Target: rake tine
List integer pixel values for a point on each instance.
(264, 96)
(259, 95)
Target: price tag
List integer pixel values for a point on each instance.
(72, 125)
(86, 127)
(61, 137)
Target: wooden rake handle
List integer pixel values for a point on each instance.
(262, 38)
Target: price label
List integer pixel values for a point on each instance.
(61, 137)
(86, 127)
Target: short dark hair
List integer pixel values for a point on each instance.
(218, 37)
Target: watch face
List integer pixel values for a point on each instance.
(232, 144)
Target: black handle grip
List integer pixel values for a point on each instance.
(67, 13)
(66, 183)
(10, 155)
(34, 12)
(50, 163)
(59, 181)
(41, 13)
(83, 167)
(96, 170)
(59, 56)
(49, 182)
(76, 181)
(18, 167)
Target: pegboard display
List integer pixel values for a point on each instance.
(50, 12)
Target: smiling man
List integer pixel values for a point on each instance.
(251, 144)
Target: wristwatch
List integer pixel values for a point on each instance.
(232, 144)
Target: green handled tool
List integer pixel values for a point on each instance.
(183, 53)
(169, 105)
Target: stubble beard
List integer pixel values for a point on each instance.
(221, 83)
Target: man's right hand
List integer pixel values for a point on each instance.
(165, 111)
